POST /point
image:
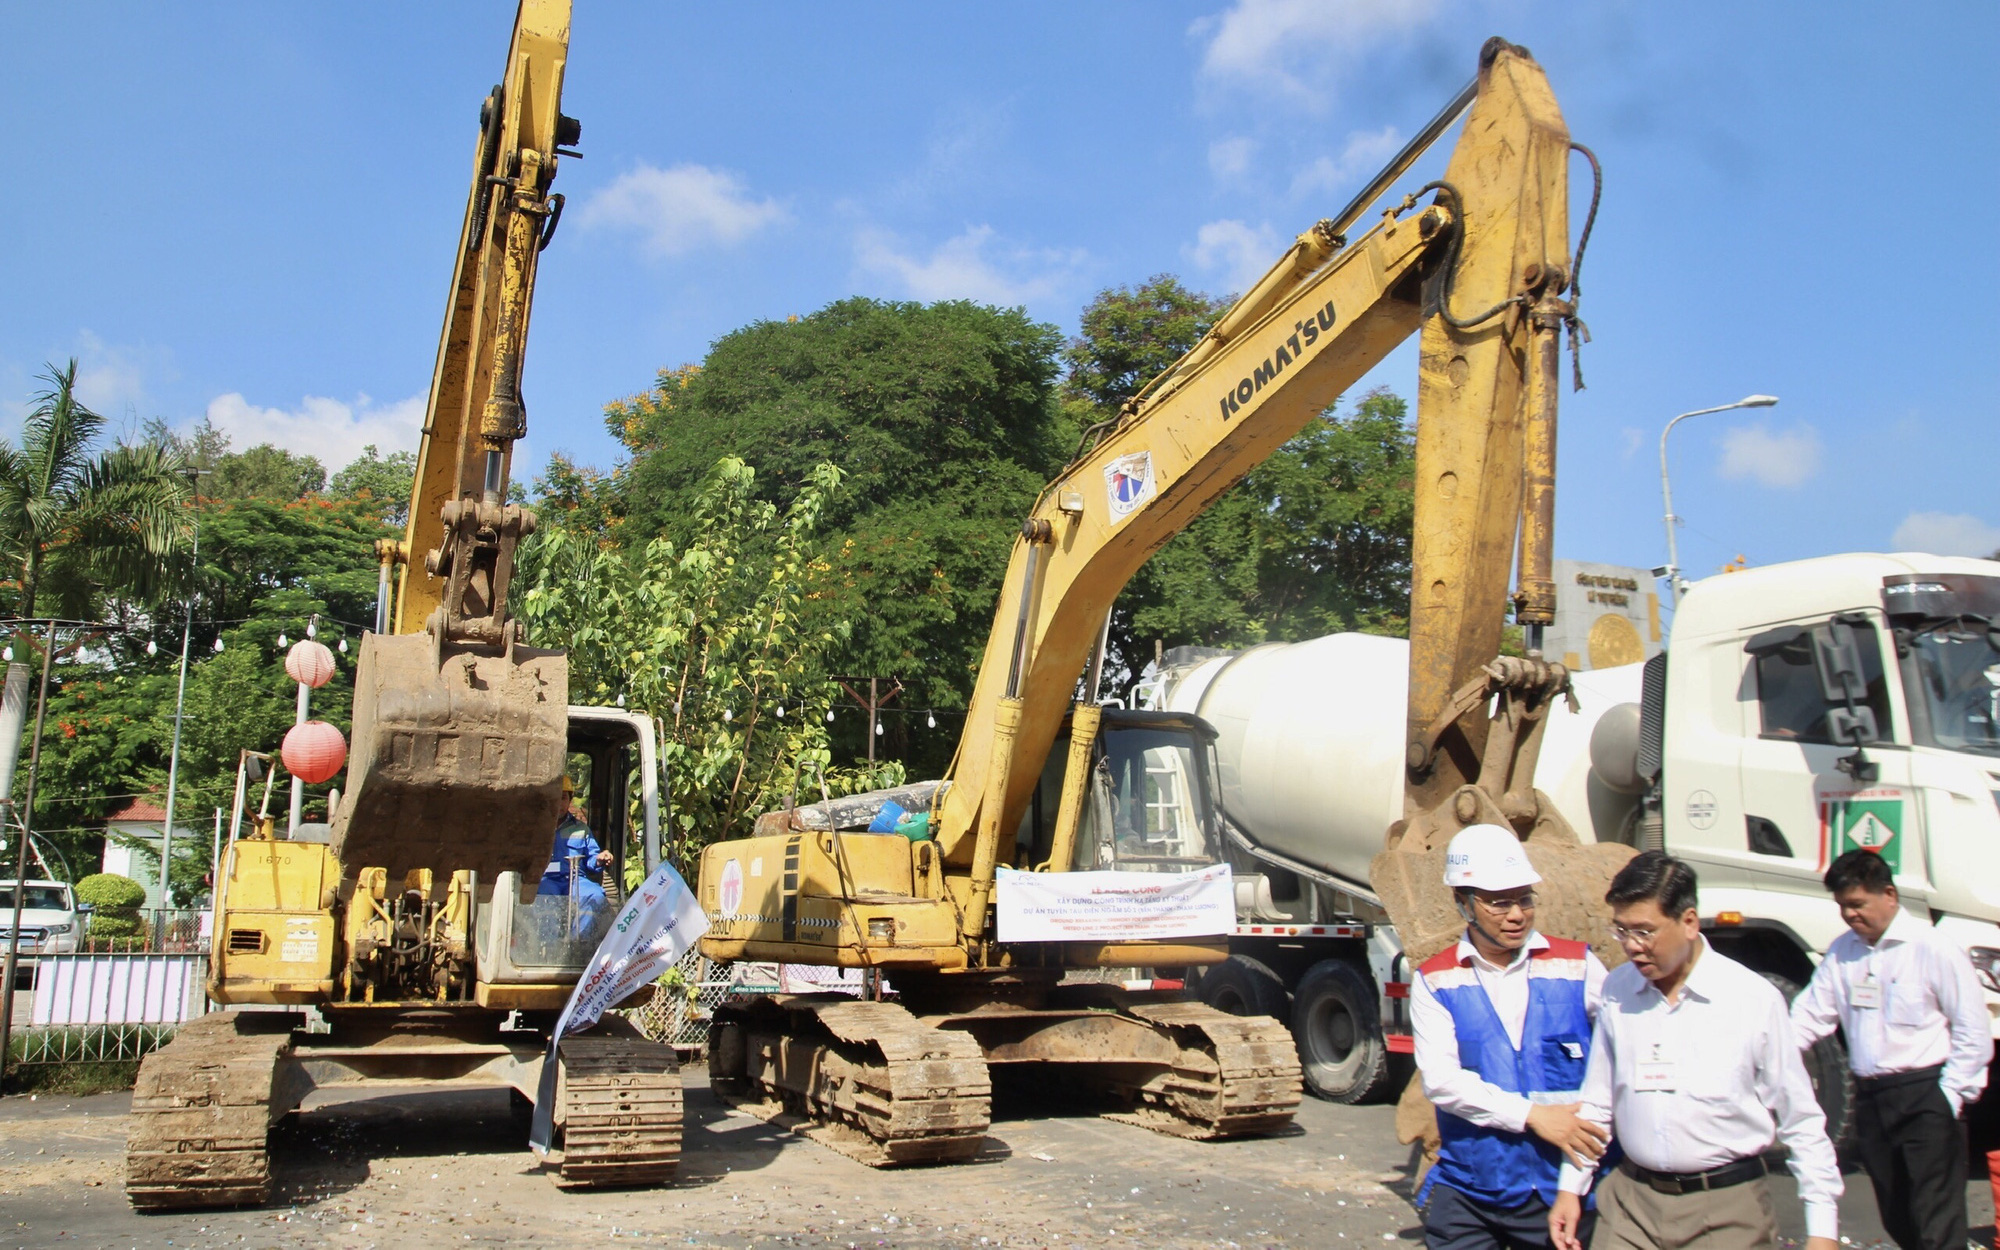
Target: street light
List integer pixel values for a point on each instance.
(180, 704)
(1673, 572)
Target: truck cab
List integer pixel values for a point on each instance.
(1817, 706)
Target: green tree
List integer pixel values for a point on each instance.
(265, 472)
(945, 423)
(385, 480)
(77, 522)
(267, 567)
(1130, 336)
(1314, 540)
(710, 633)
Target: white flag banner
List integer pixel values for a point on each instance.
(653, 930)
(1114, 906)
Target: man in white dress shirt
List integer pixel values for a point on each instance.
(1503, 1023)
(1694, 1066)
(1918, 1040)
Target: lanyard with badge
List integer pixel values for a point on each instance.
(1654, 1072)
(1868, 991)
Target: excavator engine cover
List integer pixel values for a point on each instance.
(456, 765)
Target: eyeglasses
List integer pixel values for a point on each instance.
(1641, 938)
(1501, 906)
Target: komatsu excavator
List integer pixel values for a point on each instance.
(1048, 778)
(413, 922)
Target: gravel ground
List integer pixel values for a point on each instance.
(434, 1167)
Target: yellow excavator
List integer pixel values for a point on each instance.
(419, 925)
(1048, 778)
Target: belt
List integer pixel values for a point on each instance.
(1697, 1182)
(1893, 1080)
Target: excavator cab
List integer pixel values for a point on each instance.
(544, 925)
(1150, 803)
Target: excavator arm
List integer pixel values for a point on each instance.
(1482, 270)
(1485, 489)
(459, 728)
(474, 413)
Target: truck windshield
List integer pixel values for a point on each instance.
(37, 898)
(1951, 675)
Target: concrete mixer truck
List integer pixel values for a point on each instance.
(1799, 710)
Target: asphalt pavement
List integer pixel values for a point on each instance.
(436, 1166)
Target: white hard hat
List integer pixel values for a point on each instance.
(1487, 857)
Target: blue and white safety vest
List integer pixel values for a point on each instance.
(1492, 1166)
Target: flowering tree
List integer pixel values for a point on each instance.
(711, 637)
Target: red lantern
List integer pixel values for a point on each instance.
(314, 752)
(309, 663)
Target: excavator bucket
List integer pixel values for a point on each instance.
(1409, 877)
(456, 764)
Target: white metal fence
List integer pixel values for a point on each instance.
(101, 1007)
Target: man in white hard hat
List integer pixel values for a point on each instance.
(1503, 1025)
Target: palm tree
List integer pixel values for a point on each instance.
(76, 523)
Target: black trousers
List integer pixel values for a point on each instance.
(1914, 1150)
(1453, 1221)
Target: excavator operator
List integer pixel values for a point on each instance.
(576, 862)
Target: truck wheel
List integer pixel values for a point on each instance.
(1242, 986)
(1832, 1081)
(1339, 1032)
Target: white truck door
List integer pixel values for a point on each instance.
(1801, 809)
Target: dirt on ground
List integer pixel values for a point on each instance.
(411, 1166)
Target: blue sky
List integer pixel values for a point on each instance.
(249, 211)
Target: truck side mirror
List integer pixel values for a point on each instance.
(1837, 661)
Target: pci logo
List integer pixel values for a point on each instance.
(1128, 482)
(1869, 820)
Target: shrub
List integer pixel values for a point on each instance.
(117, 901)
(107, 891)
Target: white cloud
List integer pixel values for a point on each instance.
(333, 431)
(1365, 152)
(1630, 439)
(108, 379)
(1295, 46)
(1782, 458)
(966, 267)
(1237, 252)
(1946, 534)
(681, 208)
(1230, 157)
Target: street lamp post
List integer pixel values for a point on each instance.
(1667, 490)
(180, 705)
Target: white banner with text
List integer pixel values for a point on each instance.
(1114, 906)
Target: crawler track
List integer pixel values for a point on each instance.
(621, 1103)
(867, 1079)
(201, 1112)
(1237, 1075)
